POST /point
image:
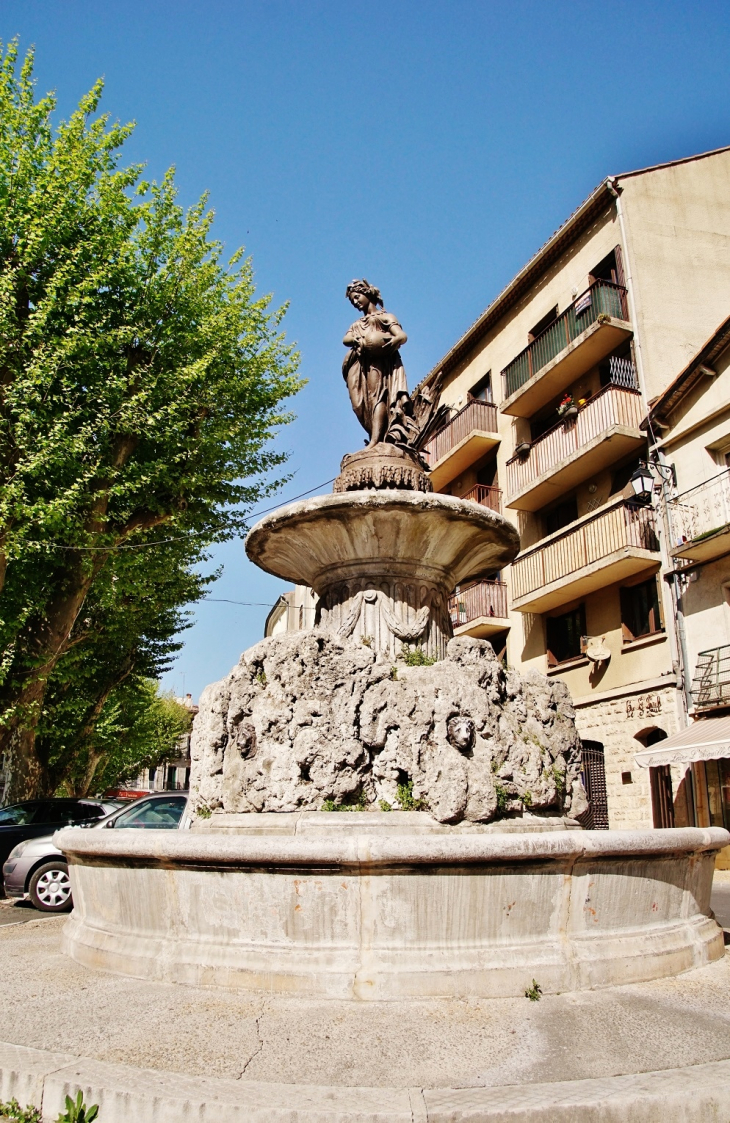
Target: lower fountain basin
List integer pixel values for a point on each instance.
(351, 906)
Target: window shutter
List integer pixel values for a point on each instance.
(627, 615)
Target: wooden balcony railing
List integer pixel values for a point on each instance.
(711, 682)
(596, 538)
(602, 298)
(613, 405)
(475, 415)
(488, 497)
(701, 511)
(482, 598)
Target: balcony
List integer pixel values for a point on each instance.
(711, 682)
(606, 428)
(598, 550)
(470, 433)
(486, 496)
(479, 609)
(593, 326)
(700, 520)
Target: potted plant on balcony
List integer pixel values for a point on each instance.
(567, 407)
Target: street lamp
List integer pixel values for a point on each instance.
(642, 484)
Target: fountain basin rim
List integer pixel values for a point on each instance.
(197, 848)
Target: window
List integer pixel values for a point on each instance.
(593, 774)
(662, 798)
(564, 634)
(543, 324)
(19, 815)
(640, 613)
(565, 512)
(621, 476)
(482, 392)
(610, 269)
(154, 814)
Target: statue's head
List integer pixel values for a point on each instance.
(361, 293)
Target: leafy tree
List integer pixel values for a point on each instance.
(141, 382)
(94, 726)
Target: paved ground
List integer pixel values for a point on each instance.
(52, 1003)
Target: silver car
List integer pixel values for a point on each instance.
(36, 870)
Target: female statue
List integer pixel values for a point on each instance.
(372, 367)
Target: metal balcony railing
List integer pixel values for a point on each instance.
(701, 511)
(602, 298)
(476, 415)
(711, 682)
(488, 497)
(596, 538)
(613, 405)
(482, 598)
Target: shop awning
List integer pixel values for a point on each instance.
(706, 739)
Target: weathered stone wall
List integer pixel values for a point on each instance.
(615, 723)
(309, 717)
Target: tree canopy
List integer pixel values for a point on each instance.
(141, 383)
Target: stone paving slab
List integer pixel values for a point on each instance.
(161, 1053)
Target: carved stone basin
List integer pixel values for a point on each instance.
(384, 563)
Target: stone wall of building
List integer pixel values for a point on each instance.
(615, 723)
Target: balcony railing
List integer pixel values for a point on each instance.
(602, 298)
(711, 682)
(482, 598)
(612, 405)
(488, 497)
(596, 538)
(702, 511)
(476, 415)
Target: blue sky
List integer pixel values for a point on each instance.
(431, 147)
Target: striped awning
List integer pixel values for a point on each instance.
(706, 739)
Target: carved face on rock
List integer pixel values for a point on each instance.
(460, 732)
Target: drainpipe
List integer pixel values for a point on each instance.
(611, 185)
(679, 642)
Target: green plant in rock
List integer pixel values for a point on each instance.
(394, 673)
(534, 991)
(558, 775)
(359, 805)
(406, 799)
(14, 1113)
(77, 1111)
(527, 799)
(261, 678)
(367, 641)
(502, 797)
(204, 812)
(417, 657)
(385, 806)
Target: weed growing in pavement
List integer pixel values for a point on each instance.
(533, 992)
(76, 1112)
(14, 1113)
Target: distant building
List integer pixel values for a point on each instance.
(171, 775)
(293, 612)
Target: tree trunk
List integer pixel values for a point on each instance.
(27, 776)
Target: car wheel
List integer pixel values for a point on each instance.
(50, 887)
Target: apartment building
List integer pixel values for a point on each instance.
(548, 390)
(689, 433)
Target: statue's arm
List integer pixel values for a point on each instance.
(397, 336)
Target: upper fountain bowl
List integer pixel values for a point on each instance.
(384, 563)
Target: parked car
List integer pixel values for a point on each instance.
(38, 871)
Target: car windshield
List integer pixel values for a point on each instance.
(157, 814)
(19, 814)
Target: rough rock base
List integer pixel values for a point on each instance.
(307, 721)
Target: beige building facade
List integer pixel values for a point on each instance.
(689, 432)
(548, 391)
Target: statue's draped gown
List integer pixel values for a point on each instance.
(373, 375)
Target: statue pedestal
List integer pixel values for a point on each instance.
(383, 466)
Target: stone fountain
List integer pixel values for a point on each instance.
(381, 810)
